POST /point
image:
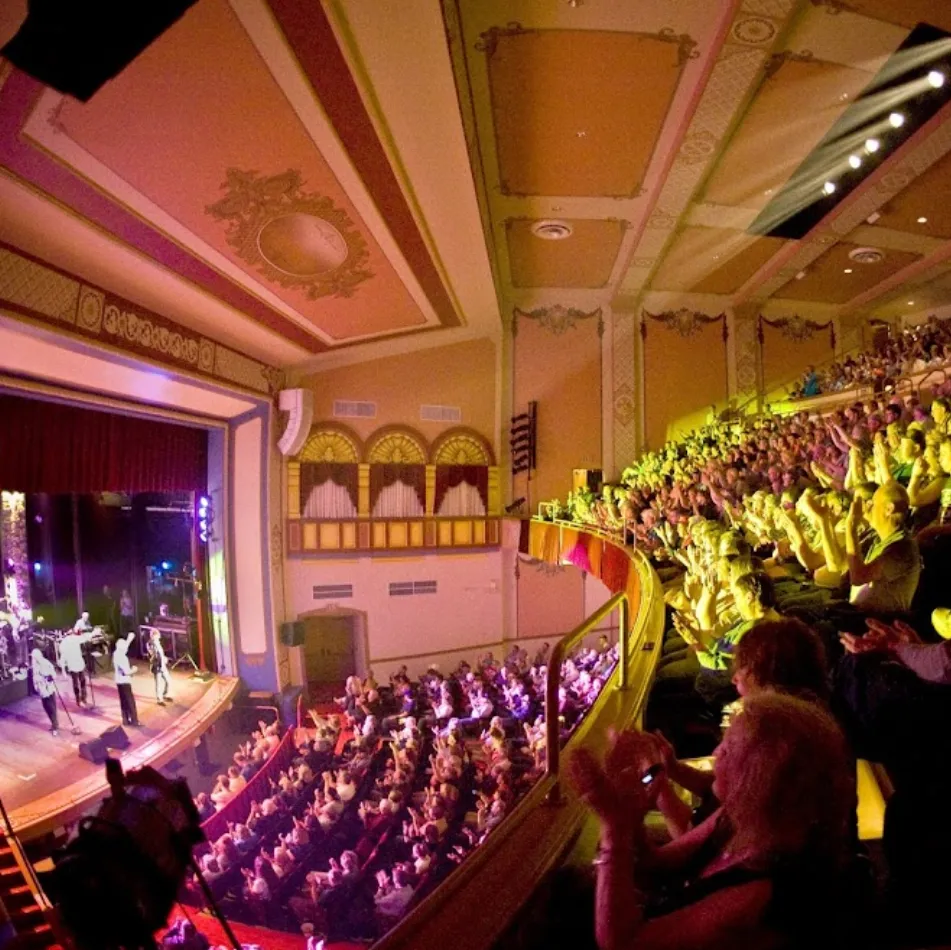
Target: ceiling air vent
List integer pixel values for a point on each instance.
(867, 255)
(440, 413)
(333, 591)
(354, 410)
(552, 230)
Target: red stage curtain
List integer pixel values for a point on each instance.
(449, 476)
(388, 473)
(313, 474)
(58, 449)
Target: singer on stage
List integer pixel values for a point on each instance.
(44, 682)
(73, 662)
(123, 669)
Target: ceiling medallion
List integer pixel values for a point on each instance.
(867, 255)
(297, 239)
(550, 230)
(754, 31)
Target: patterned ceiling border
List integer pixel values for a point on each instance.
(745, 52)
(557, 319)
(33, 289)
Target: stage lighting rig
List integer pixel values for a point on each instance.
(205, 519)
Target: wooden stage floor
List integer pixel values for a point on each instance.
(43, 781)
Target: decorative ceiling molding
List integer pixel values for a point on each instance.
(557, 319)
(295, 238)
(61, 301)
(796, 328)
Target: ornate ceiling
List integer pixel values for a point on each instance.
(318, 182)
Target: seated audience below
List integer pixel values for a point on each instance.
(385, 799)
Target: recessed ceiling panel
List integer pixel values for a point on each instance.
(584, 259)
(257, 189)
(826, 280)
(708, 260)
(579, 112)
(797, 104)
(923, 207)
(903, 12)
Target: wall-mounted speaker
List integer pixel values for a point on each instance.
(93, 751)
(299, 404)
(292, 634)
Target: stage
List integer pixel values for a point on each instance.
(43, 781)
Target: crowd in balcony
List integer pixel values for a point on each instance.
(383, 799)
(910, 352)
(805, 561)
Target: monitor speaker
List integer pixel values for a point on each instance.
(115, 738)
(93, 751)
(292, 634)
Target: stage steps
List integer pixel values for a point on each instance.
(22, 903)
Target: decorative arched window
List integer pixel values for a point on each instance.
(462, 459)
(328, 474)
(397, 457)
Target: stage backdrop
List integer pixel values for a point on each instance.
(61, 449)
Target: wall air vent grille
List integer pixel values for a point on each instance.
(410, 588)
(333, 591)
(348, 409)
(440, 413)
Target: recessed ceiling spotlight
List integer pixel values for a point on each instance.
(872, 145)
(844, 96)
(896, 120)
(855, 161)
(581, 134)
(800, 275)
(872, 218)
(829, 187)
(848, 270)
(922, 220)
(936, 79)
(911, 303)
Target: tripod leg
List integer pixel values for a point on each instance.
(72, 725)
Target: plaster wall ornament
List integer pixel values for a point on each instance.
(684, 321)
(557, 319)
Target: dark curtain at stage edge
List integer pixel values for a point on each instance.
(48, 447)
(449, 476)
(313, 474)
(387, 474)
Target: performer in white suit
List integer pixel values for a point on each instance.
(124, 669)
(158, 666)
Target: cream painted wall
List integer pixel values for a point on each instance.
(462, 375)
(466, 611)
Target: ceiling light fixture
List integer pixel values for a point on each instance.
(911, 303)
(872, 146)
(552, 230)
(848, 270)
(800, 275)
(922, 220)
(829, 187)
(936, 79)
(855, 161)
(896, 120)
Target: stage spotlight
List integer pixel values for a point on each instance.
(872, 146)
(829, 187)
(896, 120)
(166, 565)
(936, 79)
(204, 502)
(855, 161)
(37, 567)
